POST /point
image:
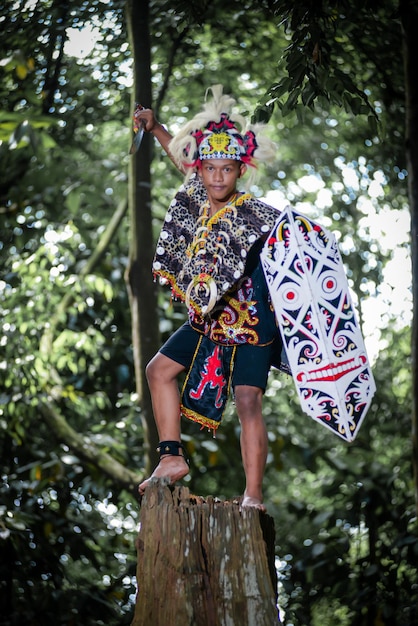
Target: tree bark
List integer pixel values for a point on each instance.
(142, 289)
(203, 562)
(409, 16)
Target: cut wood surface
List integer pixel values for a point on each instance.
(203, 562)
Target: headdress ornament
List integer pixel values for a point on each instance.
(216, 133)
(223, 140)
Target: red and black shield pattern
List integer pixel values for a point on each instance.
(317, 321)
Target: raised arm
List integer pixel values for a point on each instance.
(153, 126)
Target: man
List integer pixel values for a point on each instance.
(208, 251)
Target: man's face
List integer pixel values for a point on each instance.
(220, 177)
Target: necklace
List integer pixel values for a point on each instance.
(207, 252)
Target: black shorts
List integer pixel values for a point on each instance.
(251, 365)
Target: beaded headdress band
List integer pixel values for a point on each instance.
(222, 140)
(214, 134)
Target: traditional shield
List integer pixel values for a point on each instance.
(321, 336)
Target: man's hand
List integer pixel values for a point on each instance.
(144, 118)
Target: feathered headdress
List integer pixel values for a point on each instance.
(213, 134)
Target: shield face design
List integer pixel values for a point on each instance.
(317, 321)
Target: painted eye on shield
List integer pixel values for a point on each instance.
(290, 296)
(329, 284)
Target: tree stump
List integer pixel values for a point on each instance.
(203, 562)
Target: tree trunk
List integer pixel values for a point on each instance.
(203, 562)
(409, 16)
(142, 289)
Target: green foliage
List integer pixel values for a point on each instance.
(59, 529)
(56, 533)
(346, 528)
(338, 53)
(346, 535)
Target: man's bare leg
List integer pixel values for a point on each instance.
(254, 443)
(162, 375)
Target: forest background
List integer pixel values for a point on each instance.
(81, 315)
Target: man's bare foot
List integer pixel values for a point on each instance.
(248, 501)
(172, 467)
